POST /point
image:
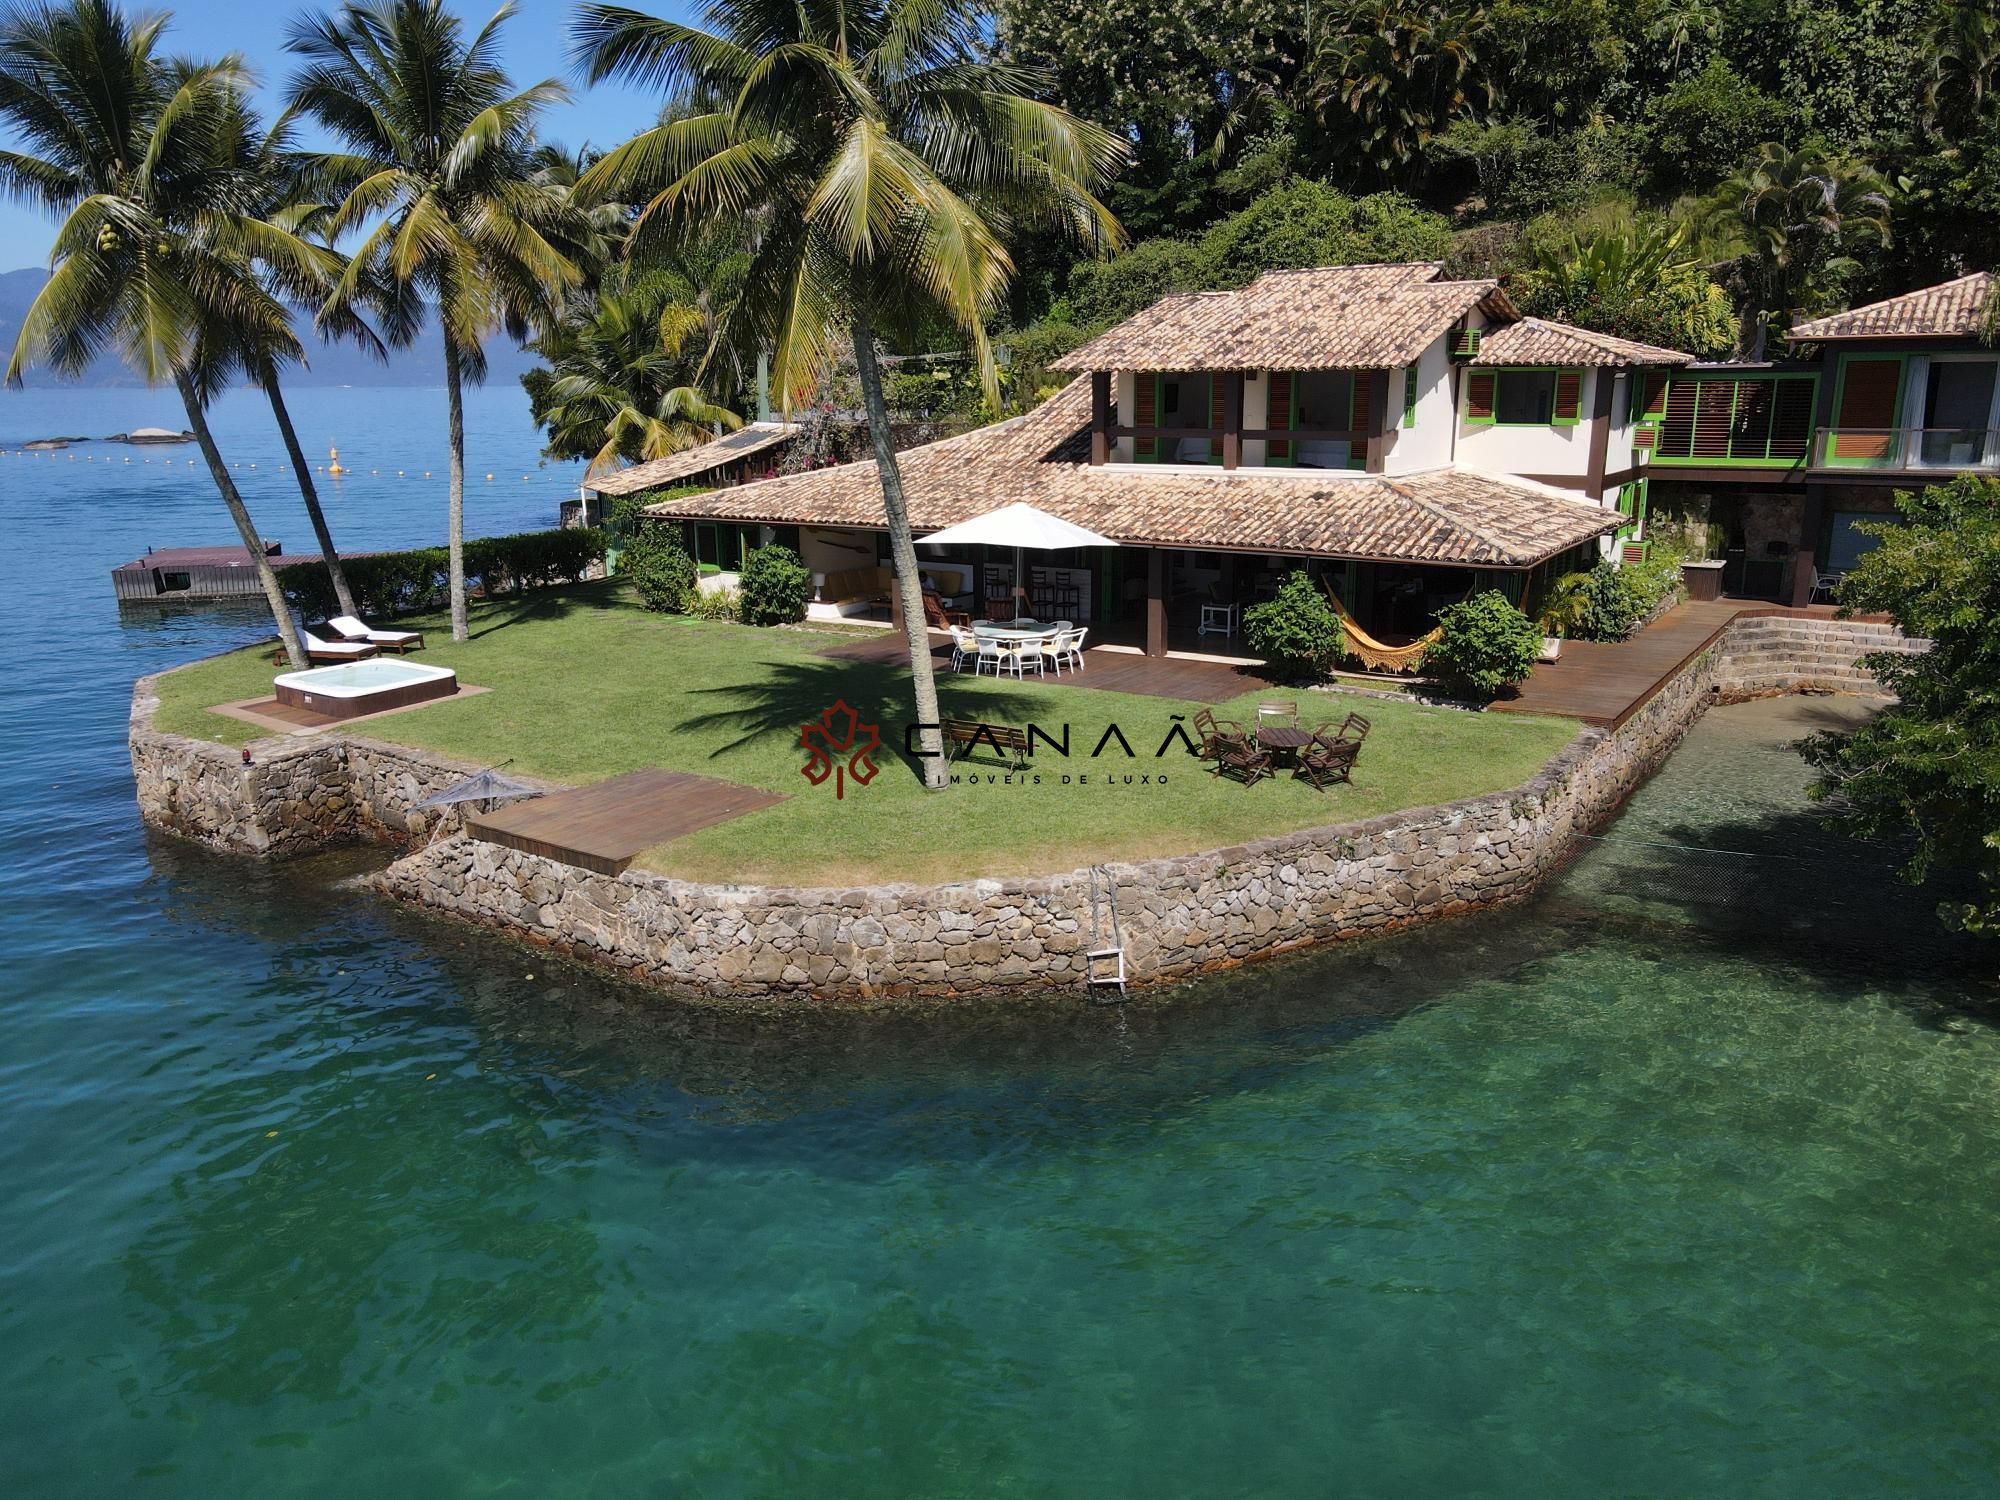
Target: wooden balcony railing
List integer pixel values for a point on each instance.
(1907, 449)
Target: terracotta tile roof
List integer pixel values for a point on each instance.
(1447, 515)
(658, 473)
(1956, 310)
(1537, 341)
(1330, 318)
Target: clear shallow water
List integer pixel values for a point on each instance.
(1680, 1181)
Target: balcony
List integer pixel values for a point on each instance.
(1903, 450)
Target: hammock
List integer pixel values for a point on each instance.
(1371, 652)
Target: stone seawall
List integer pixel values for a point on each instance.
(293, 796)
(1179, 915)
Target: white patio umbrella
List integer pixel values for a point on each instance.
(1021, 527)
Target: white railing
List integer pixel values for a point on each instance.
(1907, 448)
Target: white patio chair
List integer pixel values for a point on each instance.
(963, 644)
(992, 653)
(1022, 654)
(1824, 583)
(1076, 648)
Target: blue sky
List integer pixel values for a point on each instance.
(536, 47)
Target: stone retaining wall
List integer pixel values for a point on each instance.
(294, 796)
(1180, 915)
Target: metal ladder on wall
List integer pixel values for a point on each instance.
(1106, 958)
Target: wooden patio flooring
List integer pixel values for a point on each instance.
(1605, 682)
(604, 826)
(1107, 671)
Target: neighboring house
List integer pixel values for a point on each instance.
(1405, 437)
(1792, 457)
(751, 452)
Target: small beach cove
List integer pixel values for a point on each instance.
(1647, 1185)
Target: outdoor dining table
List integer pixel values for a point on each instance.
(1284, 740)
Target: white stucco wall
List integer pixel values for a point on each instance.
(1256, 406)
(1125, 393)
(824, 550)
(1428, 444)
(1544, 450)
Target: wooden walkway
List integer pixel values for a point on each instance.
(1605, 682)
(1107, 671)
(604, 826)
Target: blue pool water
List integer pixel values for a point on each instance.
(1683, 1180)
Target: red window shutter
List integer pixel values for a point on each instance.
(1218, 400)
(1792, 417)
(1278, 414)
(1750, 432)
(1715, 405)
(1867, 408)
(1569, 395)
(1655, 397)
(1479, 396)
(1364, 387)
(1146, 387)
(1677, 423)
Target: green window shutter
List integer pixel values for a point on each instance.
(1479, 394)
(1569, 398)
(1410, 396)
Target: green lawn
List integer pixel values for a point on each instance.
(587, 685)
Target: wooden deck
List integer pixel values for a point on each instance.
(1605, 682)
(604, 826)
(1107, 671)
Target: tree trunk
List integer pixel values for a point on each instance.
(903, 552)
(309, 493)
(454, 398)
(281, 613)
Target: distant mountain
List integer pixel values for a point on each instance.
(330, 364)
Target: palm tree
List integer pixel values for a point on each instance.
(270, 162)
(1398, 72)
(880, 160)
(438, 160)
(1791, 217)
(157, 226)
(619, 385)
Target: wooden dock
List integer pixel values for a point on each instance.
(1107, 671)
(604, 826)
(1605, 682)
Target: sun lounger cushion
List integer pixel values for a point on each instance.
(353, 629)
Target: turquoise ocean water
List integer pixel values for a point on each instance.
(1683, 1180)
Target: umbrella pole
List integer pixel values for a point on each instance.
(1020, 591)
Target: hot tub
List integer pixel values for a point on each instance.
(364, 687)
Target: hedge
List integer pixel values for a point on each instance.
(394, 583)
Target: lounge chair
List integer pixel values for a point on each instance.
(327, 651)
(937, 617)
(350, 629)
(1331, 755)
(1244, 760)
(1215, 734)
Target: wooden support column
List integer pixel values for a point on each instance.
(1232, 419)
(1100, 416)
(1381, 423)
(1805, 558)
(1602, 386)
(1156, 602)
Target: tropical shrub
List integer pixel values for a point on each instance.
(1306, 223)
(1485, 646)
(1297, 631)
(660, 568)
(394, 583)
(775, 587)
(1636, 282)
(1617, 601)
(716, 604)
(628, 512)
(1928, 766)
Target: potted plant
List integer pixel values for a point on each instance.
(1564, 609)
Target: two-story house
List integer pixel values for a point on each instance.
(1407, 437)
(1788, 459)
